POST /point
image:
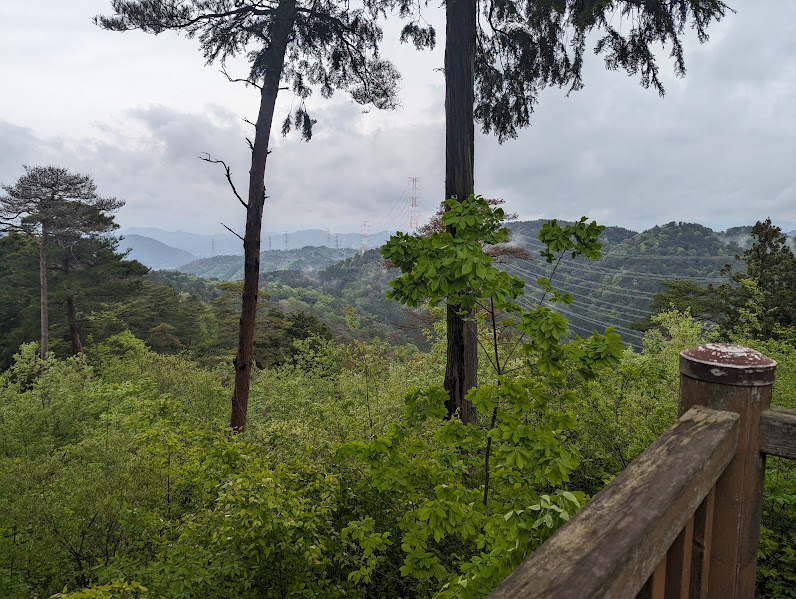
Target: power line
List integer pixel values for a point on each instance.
(401, 203)
(623, 291)
(414, 204)
(624, 331)
(539, 244)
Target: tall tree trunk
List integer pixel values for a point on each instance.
(283, 26)
(461, 371)
(74, 328)
(45, 337)
(71, 316)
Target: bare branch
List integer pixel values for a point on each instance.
(229, 177)
(233, 232)
(247, 81)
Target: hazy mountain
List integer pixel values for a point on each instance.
(318, 238)
(230, 268)
(226, 244)
(199, 246)
(154, 253)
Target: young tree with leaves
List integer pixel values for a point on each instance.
(51, 203)
(765, 275)
(498, 56)
(477, 500)
(327, 44)
(770, 262)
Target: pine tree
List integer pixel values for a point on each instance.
(325, 44)
(50, 203)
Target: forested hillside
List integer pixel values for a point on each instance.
(117, 471)
(408, 422)
(230, 268)
(618, 289)
(153, 253)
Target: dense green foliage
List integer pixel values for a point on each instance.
(621, 286)
(171, 312)
(117, 468)
(763, 276)
(118, 473)
(91, 272)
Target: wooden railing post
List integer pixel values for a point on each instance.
(737, 379)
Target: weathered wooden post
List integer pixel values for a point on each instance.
(737, 379)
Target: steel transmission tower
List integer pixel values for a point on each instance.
(364, 236)
(414, 204)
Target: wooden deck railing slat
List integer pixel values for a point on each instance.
(678, 564)
(655, 587)
(619, 538)
(778, 432)
(700, 552)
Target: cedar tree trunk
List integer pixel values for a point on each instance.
(283, 26)
(461, 371)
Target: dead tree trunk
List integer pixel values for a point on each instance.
(283, 26)
(461, 371)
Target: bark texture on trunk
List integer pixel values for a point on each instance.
(254, 213)
(461, 372)
(71, 315)
(74, 328)
(45, 337)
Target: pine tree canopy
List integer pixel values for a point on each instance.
(524, 46)
(331, 46)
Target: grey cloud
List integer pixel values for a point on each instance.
(720, 153)
(17, 148)
(718, 148)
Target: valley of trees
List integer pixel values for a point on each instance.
(412, 422)
(119, 473)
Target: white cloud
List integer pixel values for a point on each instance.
(135, 111)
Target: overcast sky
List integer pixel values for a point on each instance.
(135, 111)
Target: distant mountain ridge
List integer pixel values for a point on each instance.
(230, 268)
(154, 253)
(227, 244)
(615, 290)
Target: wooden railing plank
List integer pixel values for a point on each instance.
(613, 545)
(778, 432)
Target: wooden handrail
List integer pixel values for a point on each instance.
(613, 545)
(778, 432)
(683, 520)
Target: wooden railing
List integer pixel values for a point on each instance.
(682, 520)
